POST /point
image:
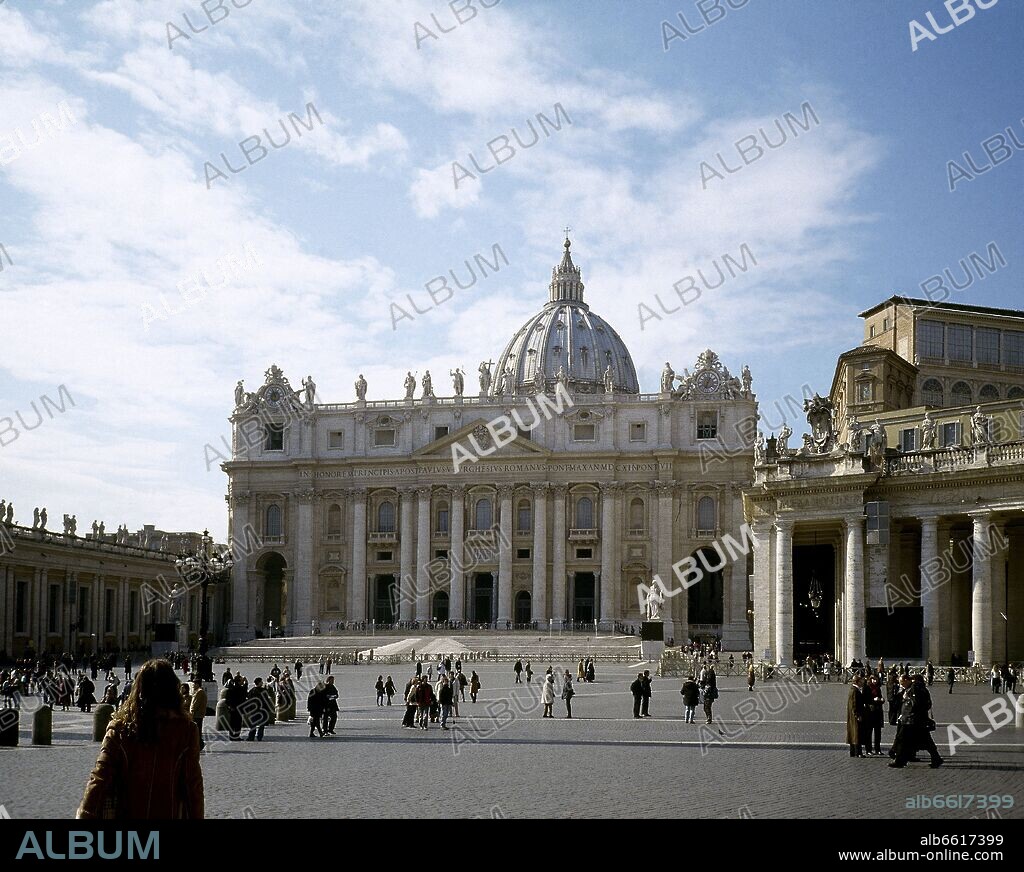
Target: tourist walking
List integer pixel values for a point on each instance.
(389, 689)
(379, 687)
(235, 697)
(855, 716)
(751, 675)
(950, 678)
(330, 696)
(708, 694)
(518, 670)
(590, 672)
(148, 765)
(298, 670)
(424, 700)
(462, 682)
(917, 723)
(474, 685)
(580, 672)
(691, 696)
(86, 696)
(445, 697)
(637, 689)
(568, 693)
(929, 672)
(197, 707)
(528, 669)
(315, 710)
(547, 695)
(411, 690)
(995, 678)
(257, 710)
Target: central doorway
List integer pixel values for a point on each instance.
(583, 599)
(482, 597)
(385, 599)
(814, 629)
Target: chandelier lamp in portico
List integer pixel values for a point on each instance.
(207, 566)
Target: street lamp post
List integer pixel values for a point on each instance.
(206, 566)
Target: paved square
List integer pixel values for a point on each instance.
(504, 759)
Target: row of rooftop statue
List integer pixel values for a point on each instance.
(151, 539)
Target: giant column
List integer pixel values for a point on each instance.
(930, 564)
(423, 580)
(981, 590)
(853, 592)
(302, 623)
(558, 565)
(240, 628)
(784, 592)
(761, 587)
(358, 576)
(407, 590)
(609, 576)
(663, 564)
(505, 556)
(538, 600)
(456, 555)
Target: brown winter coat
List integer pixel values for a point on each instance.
(854, 715)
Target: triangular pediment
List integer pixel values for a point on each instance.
(443, 447)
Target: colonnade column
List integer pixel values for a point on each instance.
(761, 586)
(423, 580)
(538, 599)
(853, 591)
(505, 556)
(784, 592)
(608, 573)
(358, 575)
(241, 625)
(302, 623)
(456, 555)
(407, 588)
(981, 589)
(558, 564)
(663, 564)
(930, 564)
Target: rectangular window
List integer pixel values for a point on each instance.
(133, 611)
(523, 519)
(440, 432)
(273, 437)
(865, 392)
(53, 610)
(384, 556)
(584, 553)
(638, 432)
(524, 433)
(986, 341)
(908, 439)
(522, 553)
(871, 332)
(1013, 348)
(442, 521)
(930, 342)
(885, 324)
(951, 434)
(383, 438)
(108, 611)
(21, 607)
(441, 554)
(584, 432)
(707, 425)
(336, 439)
(960, 347)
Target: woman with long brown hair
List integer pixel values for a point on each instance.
(148, 766)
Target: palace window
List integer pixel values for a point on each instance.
(707, 425)
(636, 515)
(931, 392)
(952, 434)
(386, 517)
(273, 437)
(986, 341)
(638, 432)
(334, 520)
(961, 394)
(960, 345)
(523, 516)
(908, 439)
(706, 516)
(988, 394)
(585, 514)
(273, 522)
(1013, 348)
(930, 339)
(865, 391)
(482, 517)
(336, 439)
(584, 432)
(1015, 393)
(384, 438)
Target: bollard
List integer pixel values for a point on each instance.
(42, 726)
(100, 720)
(223, 722)
(9, 728)
(1019, 720)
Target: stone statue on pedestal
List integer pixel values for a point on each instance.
(428, 385)
(760, 450)
(782, 443)
(927, 433)
(981, 433)
(410, 385)
(310, 387)
(239, 394)
(609, 381)
(485, 375)
(35, 518)
(458, 381)
(747, 380)
(177, 603)
(360, 387)
(822, 438)
(667, 378)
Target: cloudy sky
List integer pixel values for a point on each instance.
(146, 277)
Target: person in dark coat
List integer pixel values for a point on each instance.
(590, 672)
(330, 696)
(298, 669)
(950, 678)
(691, 697)
(518, 670)
(410, 703)
(389, 689)
(315, 707)
(645, 694)
(915, 718)
(855, 716)
(86, 694)
(235, 698)
(257, 710)
(871, 726)
(637, 689)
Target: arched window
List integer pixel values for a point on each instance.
(334, 520)
(931, 392)
(636, 514)
(585, 514)
(386, 517)
(706, 521)
(274, 521)
(988, 394)
(1015, 393)
(523, 516)
(961, 395)
(482, 515)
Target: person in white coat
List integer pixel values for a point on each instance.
(547, 695)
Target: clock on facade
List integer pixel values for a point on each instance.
(708, 381)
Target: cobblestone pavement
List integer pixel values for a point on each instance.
(778, 752)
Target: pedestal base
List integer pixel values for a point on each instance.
(652, 640)
(651, 651)
(239, 632)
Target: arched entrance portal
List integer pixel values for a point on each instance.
(522, 609)
(440, 610)
(814, 628)
(705, 603)
(273, 591)
(482, 597)
(584, 604)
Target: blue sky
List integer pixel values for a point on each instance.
(103, 219)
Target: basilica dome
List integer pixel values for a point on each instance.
(565, 335)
